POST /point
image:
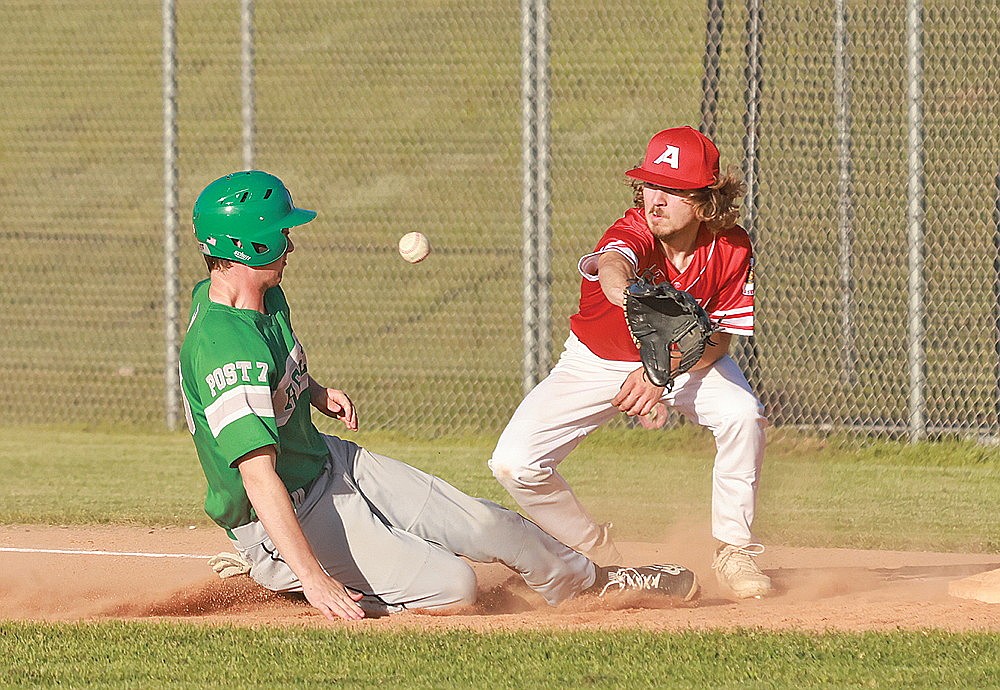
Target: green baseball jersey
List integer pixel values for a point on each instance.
(245, 385)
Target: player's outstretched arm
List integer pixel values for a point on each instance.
(274, 508)
(613, 272)
(333, 403)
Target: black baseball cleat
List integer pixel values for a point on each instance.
(667, 579)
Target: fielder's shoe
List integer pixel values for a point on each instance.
(736, 570)
(604, 552)
(667, 579)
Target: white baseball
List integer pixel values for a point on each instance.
(414, 247)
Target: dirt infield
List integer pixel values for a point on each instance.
(818, 589)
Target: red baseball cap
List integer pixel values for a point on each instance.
(679, 158)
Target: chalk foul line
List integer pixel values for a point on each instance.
(73, 552)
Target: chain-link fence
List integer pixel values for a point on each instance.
(875, 227)
(877, 301)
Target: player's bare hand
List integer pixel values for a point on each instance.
(637, 396)
(332, 599)
(335, 404)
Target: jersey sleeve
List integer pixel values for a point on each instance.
(733, 308)
(623, 237)
(230, 375)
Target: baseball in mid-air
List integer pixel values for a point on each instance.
(414, 247)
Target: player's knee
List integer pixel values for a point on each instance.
(506, 462)
(508, 454)
(510, 469)
(458, 586)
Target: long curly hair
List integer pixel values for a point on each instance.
(717, 205)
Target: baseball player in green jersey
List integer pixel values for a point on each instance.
(352, 530)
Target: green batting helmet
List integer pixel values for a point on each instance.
(241, 216)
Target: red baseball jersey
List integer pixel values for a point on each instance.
(720, 277)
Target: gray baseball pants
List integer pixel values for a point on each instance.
(395, 533)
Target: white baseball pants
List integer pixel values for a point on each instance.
(576, 398)
(391, 531)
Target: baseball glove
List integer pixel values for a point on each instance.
(663, 319)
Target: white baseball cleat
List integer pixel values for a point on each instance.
(736, 570)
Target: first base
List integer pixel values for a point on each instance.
(982, 587)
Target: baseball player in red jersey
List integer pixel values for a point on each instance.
(682, 229)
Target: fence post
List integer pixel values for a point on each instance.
(535, 203)
(845, 193)
(917, 424)
(996, 292)
(529, 286)
(753, 73)
(247, 59)
(171, 280)
(542, 190)
(713, 55)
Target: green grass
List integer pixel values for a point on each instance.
(130, 655)
(813, 493)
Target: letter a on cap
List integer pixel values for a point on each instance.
(671, 156)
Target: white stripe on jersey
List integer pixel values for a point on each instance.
(194, 315)
(237, 403)
(744, 323)
(737, 329)
(737, 321)
(588, 263)
(739, 311)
